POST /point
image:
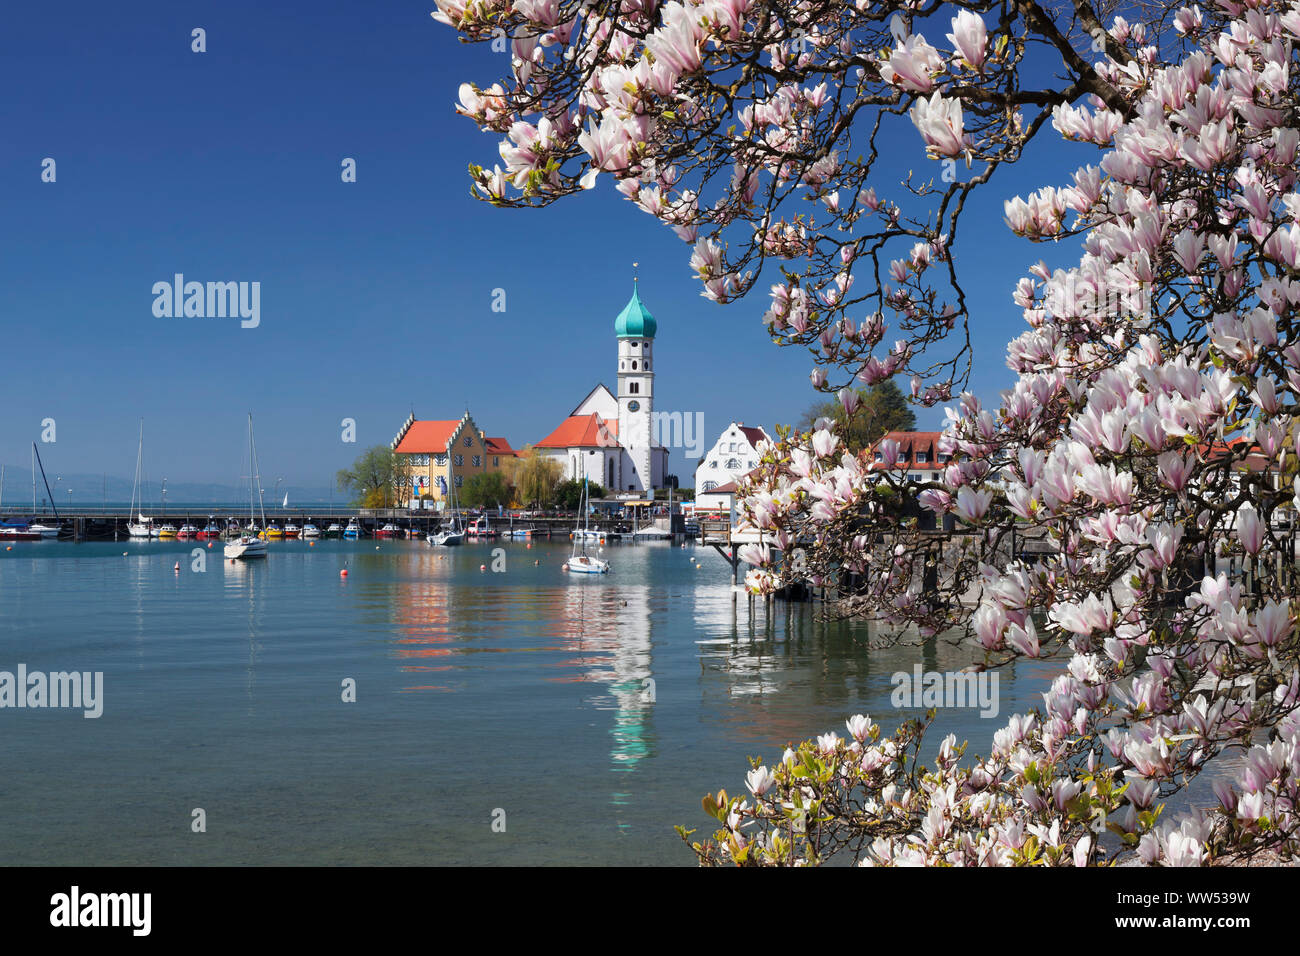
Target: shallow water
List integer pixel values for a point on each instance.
(518, 696)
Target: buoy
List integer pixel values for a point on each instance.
(564, 567)
(343, 573)
(124, 554)
(482, 567)
(11, 547)
(536, 563)
(310, 544)
(528, 545)
(177, 567)
(376, 547)
(698, 566)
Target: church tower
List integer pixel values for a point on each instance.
(635, 329)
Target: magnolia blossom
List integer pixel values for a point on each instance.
(939, 122)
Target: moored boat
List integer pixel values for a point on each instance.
(250, 544)
(353, 530)
(584, 563)
(187, 531)
(292, 530)
(309, 530)
(17, 531)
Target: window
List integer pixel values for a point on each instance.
(460, 460)
(634, 387)
(496, 462)
(634, 366)
(420, 461)
(458, 480)
(709, 486)
(732, 464)
(477, 461)
(922, 458)
(440, 460)
(610, 481)
(635, 344)
(913, 477)
(468, 441)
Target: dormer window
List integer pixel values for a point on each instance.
(922, 458)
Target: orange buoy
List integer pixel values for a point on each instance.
(343, 573)
(11, 547)
(209, 545)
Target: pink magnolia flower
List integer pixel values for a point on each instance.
(1250, 530)
(939, 121)
(970, 37)
(912, 65)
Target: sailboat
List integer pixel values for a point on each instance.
(584, 563)
(455, 534)
(250, 545)
(139, 526)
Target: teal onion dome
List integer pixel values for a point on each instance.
(635, 321)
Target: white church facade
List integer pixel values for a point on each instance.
(733, 455)
(608, 438)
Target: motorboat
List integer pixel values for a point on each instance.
(309, 530)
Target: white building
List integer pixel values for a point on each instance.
(608, 438)
(734, 455)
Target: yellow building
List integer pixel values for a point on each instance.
(438, 455)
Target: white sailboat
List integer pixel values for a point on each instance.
(139, 526)
(454, 535)
(250, 545)
(584, 563)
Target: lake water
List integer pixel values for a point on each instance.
(523, 691)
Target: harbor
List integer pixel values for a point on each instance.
(608, 698)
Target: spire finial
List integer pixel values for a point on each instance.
(634, 275)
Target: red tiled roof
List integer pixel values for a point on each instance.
(754, 435)
(499, 446)
(423, 438)
(582, 431)
(909, 443)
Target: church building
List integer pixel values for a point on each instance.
(610, 438)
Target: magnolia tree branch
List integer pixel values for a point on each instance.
(1126, 507)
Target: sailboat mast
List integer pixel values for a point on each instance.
(256, 473)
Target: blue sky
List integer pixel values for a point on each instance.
(375, 296)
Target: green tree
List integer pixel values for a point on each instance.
(374, 478)
(568, 493)
(883, 409)
(486, 490)
(535, 477)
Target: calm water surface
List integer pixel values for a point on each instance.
(523, 691)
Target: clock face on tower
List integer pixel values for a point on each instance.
(634, 406)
